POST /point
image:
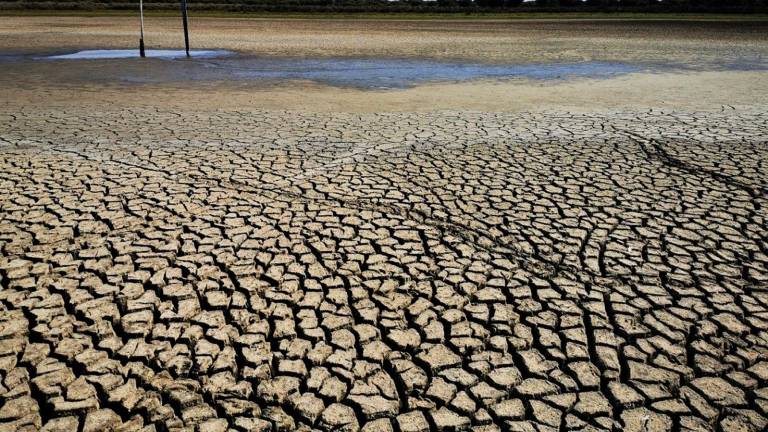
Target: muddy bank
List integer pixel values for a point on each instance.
(718, 45)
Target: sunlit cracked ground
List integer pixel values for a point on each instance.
(331, 271)
(215, 265)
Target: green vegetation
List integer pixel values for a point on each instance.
(405, 8)
(490, 16)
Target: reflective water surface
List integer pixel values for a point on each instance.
(134, 53)
(164, 66)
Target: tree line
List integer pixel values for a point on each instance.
(412, 6)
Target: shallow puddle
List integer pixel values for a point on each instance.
(401, 73)
(133, 53)
(169, 66)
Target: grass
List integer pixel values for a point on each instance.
(406, 15)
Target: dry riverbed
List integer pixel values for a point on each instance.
(585, 254)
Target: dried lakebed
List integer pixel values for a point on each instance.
(256, 271)
(171, 66)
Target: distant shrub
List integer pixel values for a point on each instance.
(408, 6)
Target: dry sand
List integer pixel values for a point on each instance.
(692, 91)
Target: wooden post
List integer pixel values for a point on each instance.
(186, 25)
(141, 37)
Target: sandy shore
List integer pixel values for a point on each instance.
(511, 41)
(692, 91)
(683, 43)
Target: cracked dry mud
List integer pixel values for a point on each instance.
(449, 271)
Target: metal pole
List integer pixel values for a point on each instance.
(186, 26)
(141, 18)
